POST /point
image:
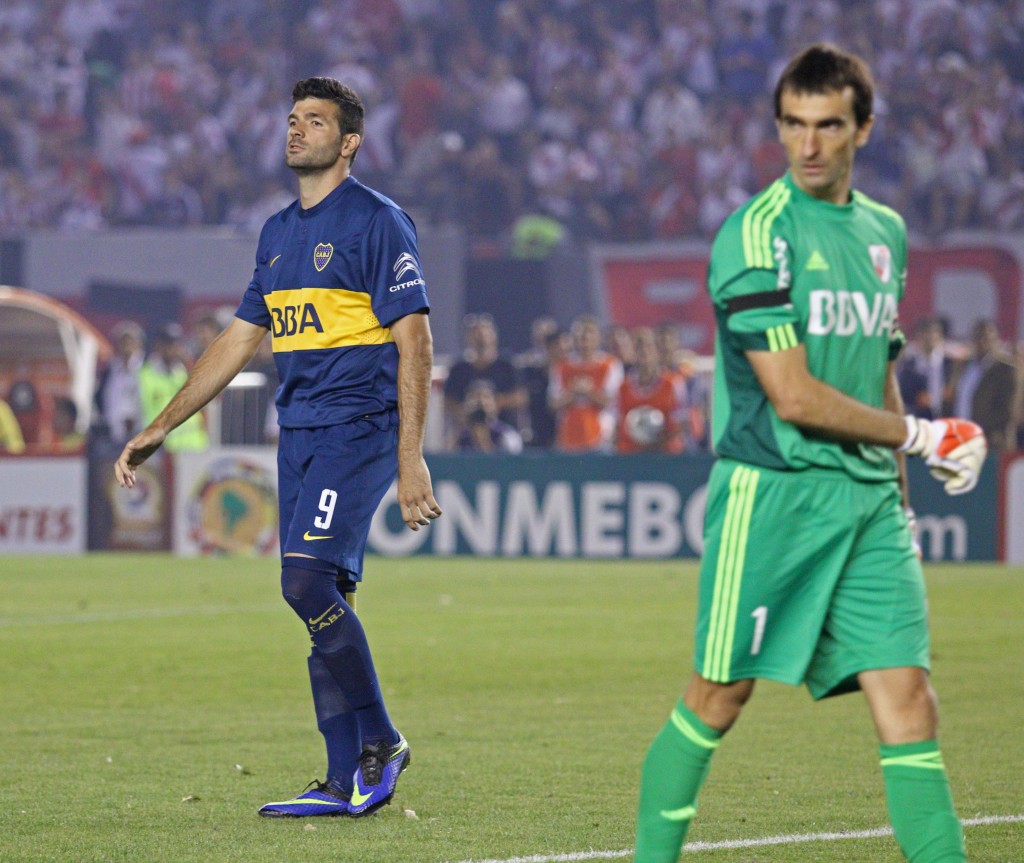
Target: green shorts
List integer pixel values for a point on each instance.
(807, 577)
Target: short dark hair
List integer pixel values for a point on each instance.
(824, 68)
(350, 106)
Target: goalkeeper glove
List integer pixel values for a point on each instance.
(954, 449)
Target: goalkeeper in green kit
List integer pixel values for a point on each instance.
(809, 572)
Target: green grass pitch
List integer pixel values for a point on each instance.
(149, 706)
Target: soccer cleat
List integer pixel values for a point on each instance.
(377, 776)
(326, 798)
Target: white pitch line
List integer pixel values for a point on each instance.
(132, 614)
(793, 839)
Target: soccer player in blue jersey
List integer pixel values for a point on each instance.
(338, 285)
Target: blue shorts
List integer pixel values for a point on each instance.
(330, 482)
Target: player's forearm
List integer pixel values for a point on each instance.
(415, 367)
(808, 402)
(827, 411)
(226, 356)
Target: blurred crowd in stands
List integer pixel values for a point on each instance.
(637, 391)
(524, 120)
(581, 389)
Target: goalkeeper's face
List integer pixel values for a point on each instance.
(315, 142)
(821, 136)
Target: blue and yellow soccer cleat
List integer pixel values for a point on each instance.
(326, 798)
(377, 776)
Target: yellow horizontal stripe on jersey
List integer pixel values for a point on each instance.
(307, 319)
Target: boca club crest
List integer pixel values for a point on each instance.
(881, 260)
(322, 256)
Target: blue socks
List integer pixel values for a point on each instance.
(346, 694)
(337, 723)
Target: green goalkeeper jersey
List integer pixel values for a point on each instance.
(787, 268)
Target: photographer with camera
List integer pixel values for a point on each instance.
(484, 431)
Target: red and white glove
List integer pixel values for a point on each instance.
(954, 449)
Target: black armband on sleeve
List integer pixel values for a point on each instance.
(760, 300)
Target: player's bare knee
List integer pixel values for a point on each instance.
(903, 704)
(717, 704)
(923, 704)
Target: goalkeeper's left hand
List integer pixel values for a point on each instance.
(954, 449)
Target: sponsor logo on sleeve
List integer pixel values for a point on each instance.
(781, 255)
(404, 266)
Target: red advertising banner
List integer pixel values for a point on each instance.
(643, 287)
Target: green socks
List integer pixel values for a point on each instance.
(916, 788)
(673, 773)
(920, 805)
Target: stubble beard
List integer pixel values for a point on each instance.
(825, 184)
(311, 162)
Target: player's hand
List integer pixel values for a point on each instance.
(912, 530)
(954, 449)
(416, 495)
(135, 452)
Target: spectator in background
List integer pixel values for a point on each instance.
(66, 436)
(534, 83)
(680, 362)
(118, 408)
(584, 389)
(483, 431)
(987, 388)
(160, 377)
(618, 341)
(33, 409)
(925, 371)
(504, 107)
(672, 115)
(666, 338)
(481, 362)
(207, 327)
(11, 439)
(540, 329)
(743, 58)
(651, 402)
(535, 370)
(1002, 199)
(696, 399)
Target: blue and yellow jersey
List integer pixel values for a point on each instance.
(328, 283)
